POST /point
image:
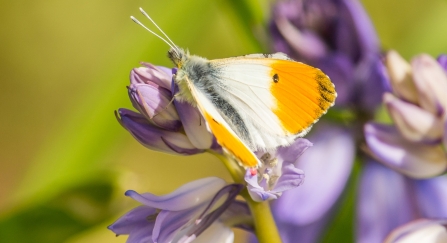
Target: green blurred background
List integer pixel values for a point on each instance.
(64, 160)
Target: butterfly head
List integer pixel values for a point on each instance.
(178, 56)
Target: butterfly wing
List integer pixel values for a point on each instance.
(278, 99)
(225, 136)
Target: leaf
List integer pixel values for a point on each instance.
(55, 220)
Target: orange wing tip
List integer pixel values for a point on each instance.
(297, 115)
(332, 92)
(335, 91)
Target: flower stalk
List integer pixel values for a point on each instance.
(265, 226)
(236, 172)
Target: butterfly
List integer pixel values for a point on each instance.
(256, 102)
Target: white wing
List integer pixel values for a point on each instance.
(225, 136)
(273, 119)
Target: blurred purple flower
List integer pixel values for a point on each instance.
(194, 212)
(411, 149)
(163, 124)
(303, 212)
(421, 230)
(388, 199)
(278, 172)
(418, 105)
(337, 37)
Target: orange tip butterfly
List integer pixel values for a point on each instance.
(256, 102)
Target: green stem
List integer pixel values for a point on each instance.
(265, 226)
(236, 172)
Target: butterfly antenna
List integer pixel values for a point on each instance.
(142, 25)
(147, 16)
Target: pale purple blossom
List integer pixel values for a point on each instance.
(421, 230)
(163, 123)
(388, 199)
(195, 212)
(417, 160)
(417, 105)
(277, 173)
(393, 195)
(303, 212)
(337, 37)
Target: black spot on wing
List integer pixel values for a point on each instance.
(276, 78)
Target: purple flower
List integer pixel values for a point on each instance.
(337, 37)
(278, 172)
(388, 199)
(422, 230)
(303, 212)
(194, 212)
(418, 104)
(163, 124)
(417, 160)
(411, 149)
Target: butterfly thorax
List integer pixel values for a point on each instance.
(192, 70)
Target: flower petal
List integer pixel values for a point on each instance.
(431, 83)
(416, 160)
(400, 77)
(187, 196)
(414, 123)
(442, 60)
(295, 150)
(422, 230)
(291, 177)
(199, 218)
(154, 137)
(194, 125)
(327, 165)
(256, 192)
(216, 207)
(160, 76)
(341, 71)
(136, 218)
(384, 202)
(140, 235)
(170, 223)
(310, 46)
(155, 103)
(375, 81)
(431, 195)
(356, 15)
(217, 233)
